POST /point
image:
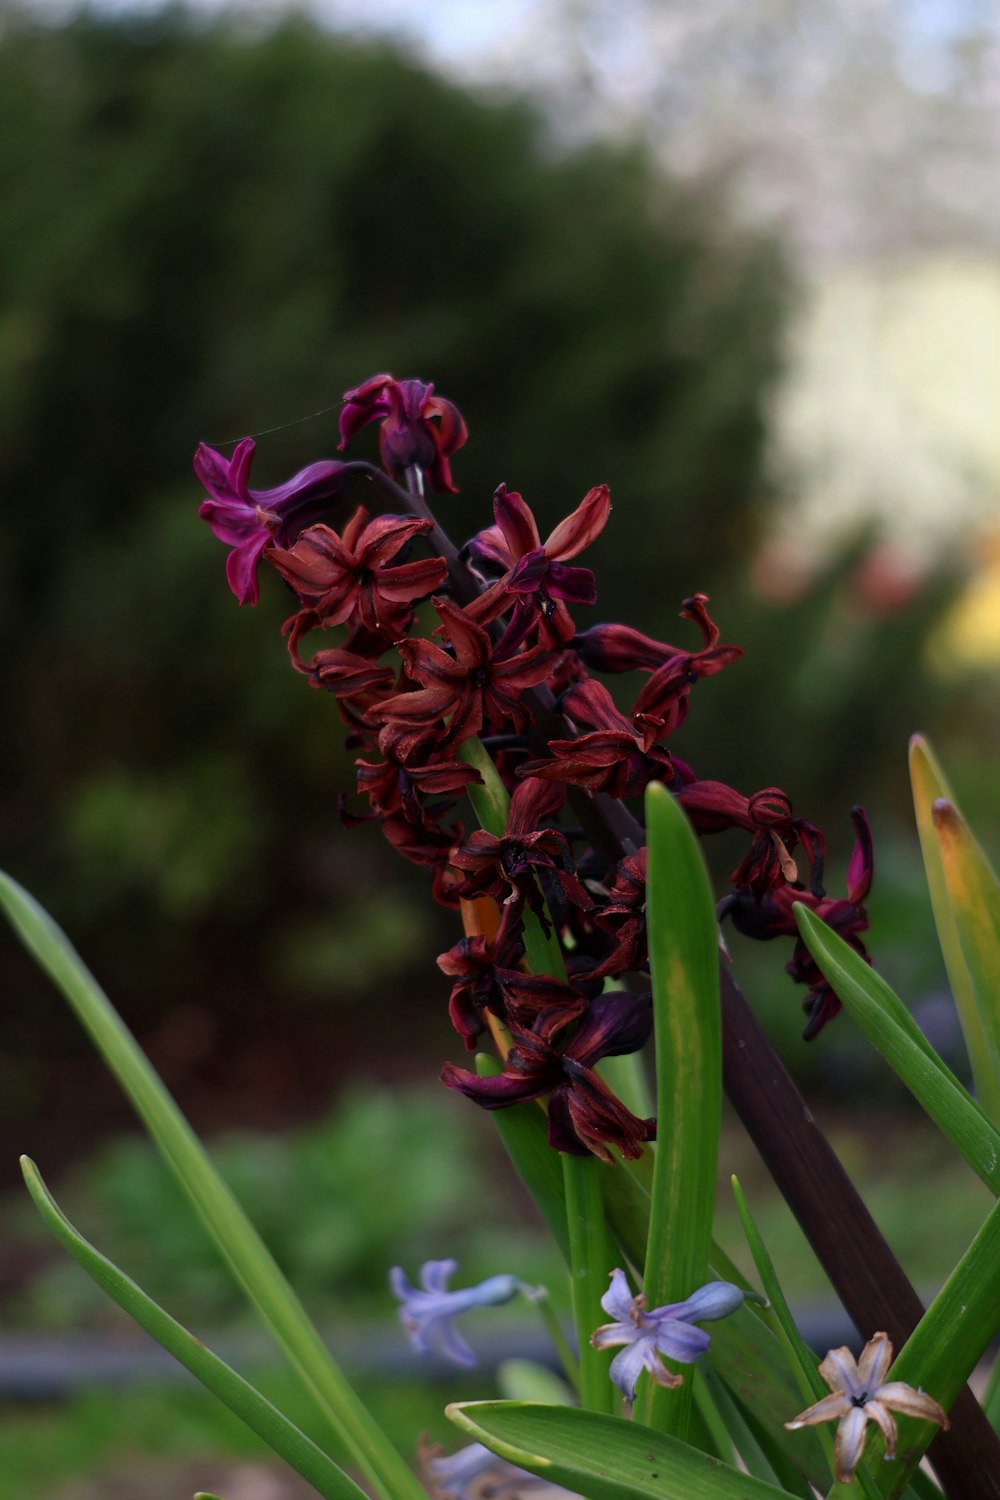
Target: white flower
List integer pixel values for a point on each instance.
(862, 1395)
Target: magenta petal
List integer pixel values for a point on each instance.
(861, 868)
(575, 585)
(241, 568)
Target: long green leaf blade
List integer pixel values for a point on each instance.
(948, 1343)
(888, 1025)
(299, 1451)
(974, 896)
(930, 786)
(684, 964)
(245, 1253)
(603, 1458)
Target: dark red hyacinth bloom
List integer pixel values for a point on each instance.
(250, 521)
(662, 705)
(353, 580)
(397, 786)
(773, 916)
(584, 1115)
(712, 807)
(614, 758)
(470, 964)
(505, 868)
(475, 685)
(623, 917)
(536, 569)
(419, 430)
(352, 677)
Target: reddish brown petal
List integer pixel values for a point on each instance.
(471, 643)
(577, 531)
(590, 703)
(412, 580)
(384, 537)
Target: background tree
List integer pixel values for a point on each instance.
(204, 230)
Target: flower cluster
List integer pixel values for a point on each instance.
(436, 647)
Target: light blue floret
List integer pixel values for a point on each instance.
(426, 1312)
(646, 1335)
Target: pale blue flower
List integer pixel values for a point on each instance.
(426, 1314)
(474, 1472)
(649, 1333)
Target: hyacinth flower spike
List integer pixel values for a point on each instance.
(426, 1312)
(861, 1395)
(647, 1334)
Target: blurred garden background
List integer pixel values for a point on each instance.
(740, 262)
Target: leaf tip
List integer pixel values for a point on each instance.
(946, 816)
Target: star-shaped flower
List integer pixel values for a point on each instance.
(354, 579)
(861, 1395)
(426, 1313)
(539, 570)
(648, 1333)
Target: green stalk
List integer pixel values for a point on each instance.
(539, 1297)
(590, 1271)
(490, 801)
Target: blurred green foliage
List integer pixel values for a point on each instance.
(205, 229)
(209, 227)
(385, 1180)
(161, 1443)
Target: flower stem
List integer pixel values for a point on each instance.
(591, 1264)
(539, 1297)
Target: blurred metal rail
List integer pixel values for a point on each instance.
(53, 1367)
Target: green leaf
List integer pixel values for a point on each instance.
(948, 1343)
(299, 1451)
(929, 787)
(522, 1130)
(890, 1028)
(974, 895)
(241, 1247)
(603, 1458)
(684, 963)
